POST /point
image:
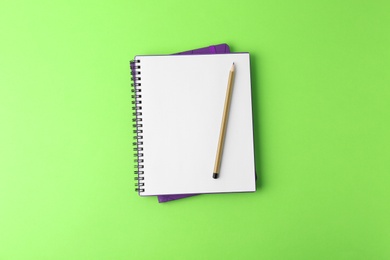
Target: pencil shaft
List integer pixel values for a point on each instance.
(225, 116)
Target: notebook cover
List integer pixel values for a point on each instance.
(213, 49)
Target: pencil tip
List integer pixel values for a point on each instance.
(215, 175)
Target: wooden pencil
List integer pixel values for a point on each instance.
(225, 115)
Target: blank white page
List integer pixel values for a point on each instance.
(182, 104)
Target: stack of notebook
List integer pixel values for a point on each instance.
(178, 104)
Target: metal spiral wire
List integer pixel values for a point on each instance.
(135, 66)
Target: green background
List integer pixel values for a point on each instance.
(320, 75)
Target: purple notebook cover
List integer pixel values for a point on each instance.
(213, 49)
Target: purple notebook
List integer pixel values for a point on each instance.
(213, 49)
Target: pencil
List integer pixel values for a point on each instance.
(225, 115)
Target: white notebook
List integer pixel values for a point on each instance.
(179, 102)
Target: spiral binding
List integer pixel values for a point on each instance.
(136, 96)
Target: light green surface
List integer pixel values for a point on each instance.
(321, 86)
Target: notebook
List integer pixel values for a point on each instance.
(178, 106)
(212, 49)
